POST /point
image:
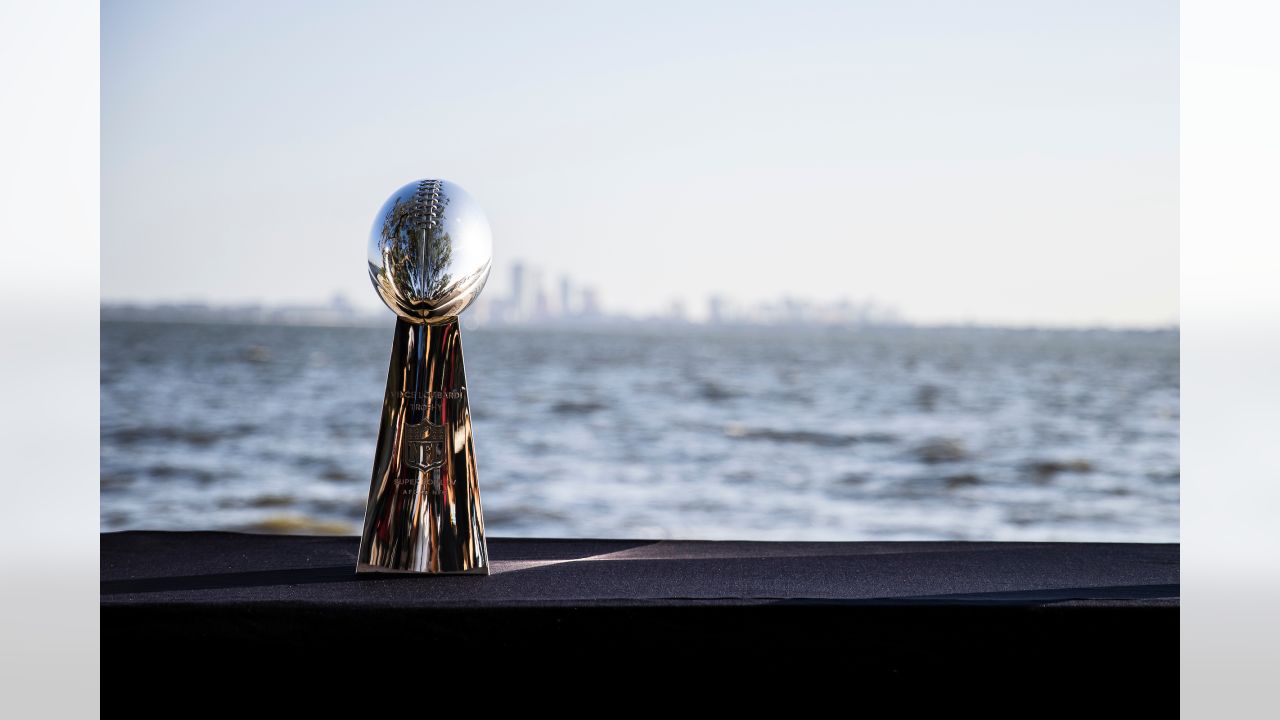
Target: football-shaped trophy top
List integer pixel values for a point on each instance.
(430, 251)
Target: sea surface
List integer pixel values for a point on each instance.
(692, 432)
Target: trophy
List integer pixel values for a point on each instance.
(429, 255)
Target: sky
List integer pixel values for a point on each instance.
(1011, 162)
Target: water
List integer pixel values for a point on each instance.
(690, 433)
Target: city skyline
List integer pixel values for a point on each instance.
(541, 301)
(531, 302)
(537, 295)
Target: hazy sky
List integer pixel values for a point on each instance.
(1010, 162)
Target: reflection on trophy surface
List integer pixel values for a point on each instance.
(430, 252)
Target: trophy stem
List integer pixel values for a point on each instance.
(423, 513)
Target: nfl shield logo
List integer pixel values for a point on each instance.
(424, 445)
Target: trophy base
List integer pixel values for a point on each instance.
(367, 569)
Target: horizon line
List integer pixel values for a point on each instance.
(357, 316)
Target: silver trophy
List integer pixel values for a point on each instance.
(429, 256)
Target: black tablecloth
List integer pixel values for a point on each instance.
(897, 607)
(158, 569)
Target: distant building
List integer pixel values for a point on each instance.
(566, 302)
(590, 303)
(515, 306)
(715, 310)
(541, 307)
(341, 305)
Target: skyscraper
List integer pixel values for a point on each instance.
(590, 303)
(715, 309)
(516, 305)
(566, 302)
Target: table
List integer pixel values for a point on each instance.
(1085, 611)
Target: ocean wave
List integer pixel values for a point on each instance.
(805, 437)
